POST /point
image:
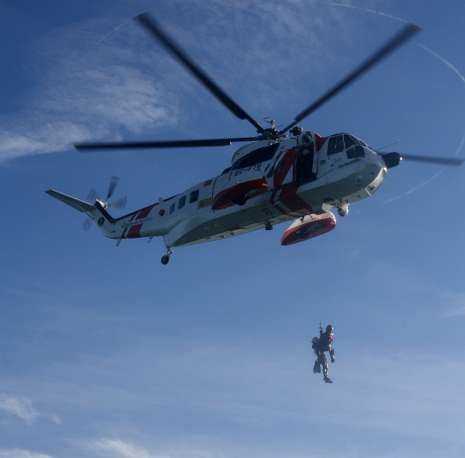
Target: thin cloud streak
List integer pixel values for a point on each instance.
(21, 453)
(85, 91)
(22, 408)
(19, 407)
(117, 448)
(455, 307)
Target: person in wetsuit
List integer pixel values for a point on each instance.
(320, 346)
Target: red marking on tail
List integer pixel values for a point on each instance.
(134, 232)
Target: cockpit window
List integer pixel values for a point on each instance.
(355, 152)
(336, 144)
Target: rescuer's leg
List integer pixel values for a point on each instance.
(324, 363)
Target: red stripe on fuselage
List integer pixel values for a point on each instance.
(238, 194)
(144, 212)
(134, 232)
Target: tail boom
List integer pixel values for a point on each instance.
(77, 204)
(136, 224)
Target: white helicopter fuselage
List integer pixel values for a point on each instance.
(281, 175)
(266, 193)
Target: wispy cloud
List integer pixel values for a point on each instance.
(455, 305)
(84, 90)
(117, 448)
(22, 408)
(21, 453)
(19, 407)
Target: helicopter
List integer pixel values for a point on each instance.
(279, 175)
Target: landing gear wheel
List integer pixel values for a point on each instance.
(165, 259)
(343, 209)
(268, 226)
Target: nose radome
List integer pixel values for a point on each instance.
(369, 174)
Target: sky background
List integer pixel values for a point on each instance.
(106, 353)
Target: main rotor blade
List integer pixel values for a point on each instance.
(151, 26)
(111, 189)
(394, 43)
(454, 161)
(163, 144)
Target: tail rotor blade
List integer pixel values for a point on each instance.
(87, 224)
(119, 203)
(91, 196)
(111, 188)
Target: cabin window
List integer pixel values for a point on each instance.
(336, 144)
(355, 151)
(256, 157)
(172, 207)
(194, 196)
(182, 202)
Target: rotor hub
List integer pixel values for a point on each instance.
(271, 133)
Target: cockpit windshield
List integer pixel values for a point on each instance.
(340, 142)
(350, 140)
(354, 147)
(336, 144)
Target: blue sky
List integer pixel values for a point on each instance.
(105, 353)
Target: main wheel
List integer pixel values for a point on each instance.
(165, 259)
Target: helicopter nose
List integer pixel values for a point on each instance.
(374, 176)
(391, 159)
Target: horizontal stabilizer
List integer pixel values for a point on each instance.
(78, 204)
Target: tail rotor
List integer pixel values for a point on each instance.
(118, 203)
(91, 196)
(107, 203)
(112, 187)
